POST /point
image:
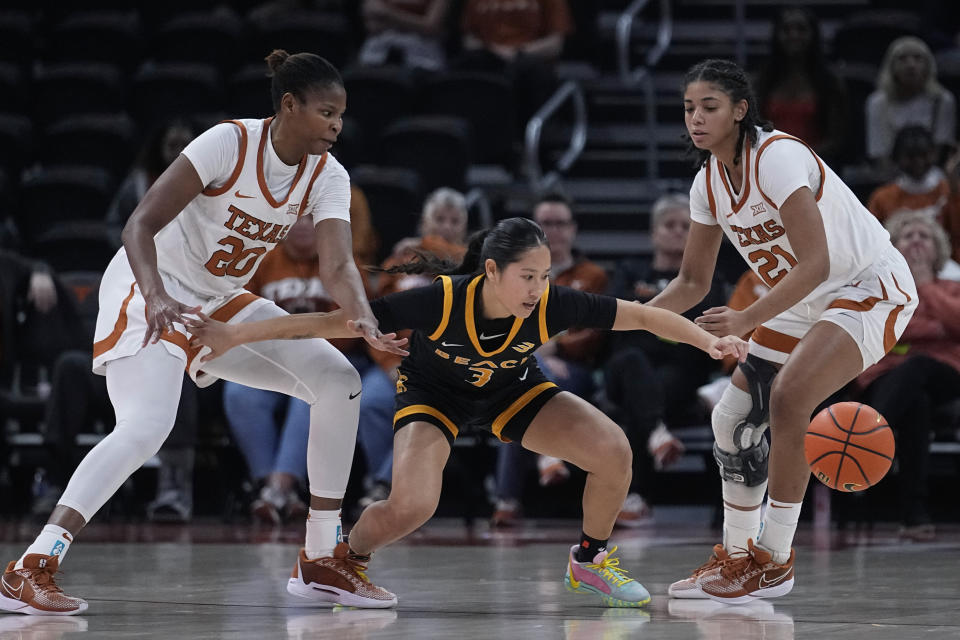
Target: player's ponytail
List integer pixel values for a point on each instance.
(504, 243)
(299, 74)
(730, 78)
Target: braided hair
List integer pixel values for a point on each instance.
(730, 78)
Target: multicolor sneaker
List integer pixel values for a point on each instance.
(688, 588)
(745, 577)
(605, 578)
(33, 591)
(340, 579)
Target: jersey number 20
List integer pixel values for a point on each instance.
(237, 261)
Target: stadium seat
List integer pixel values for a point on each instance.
(14, 91)
(324, 34)
(163, 91)
(199, 38)
(376, 96)
(69, 89)
(394, 196)
(248, 93)
(62, 194)
(105, 37)
(99, 141)
(16, 143)
(436, 147)
(16, 38)
(76, 246)
(865, 37)
(484, 100)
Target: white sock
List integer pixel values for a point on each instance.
(740, 525)
(324, 532)
(779, 525)
(52, 541)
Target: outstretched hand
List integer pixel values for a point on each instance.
(729, 346)
(207, 332)
(724, 321)
(382, 341)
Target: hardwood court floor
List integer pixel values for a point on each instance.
(215, 581)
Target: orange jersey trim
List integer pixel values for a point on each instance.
(236, 170)
(100, 348)
(767, 337)
(756, 170)
(262, 181)
(313, 178)
(860, 305)
(711, 200)
(501, 420)
(429, 411)
(745, 183)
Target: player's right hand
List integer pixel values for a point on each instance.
(383, 341)
(162, 312)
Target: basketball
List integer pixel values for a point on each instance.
(849, 446)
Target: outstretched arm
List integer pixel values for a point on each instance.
(667, 324)
(221, 337)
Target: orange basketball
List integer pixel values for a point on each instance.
(849, 446)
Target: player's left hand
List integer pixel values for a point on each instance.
(367, 329)
(728, 346)
(207, 332)
(724, 321)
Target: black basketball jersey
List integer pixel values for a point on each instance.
(453, 347)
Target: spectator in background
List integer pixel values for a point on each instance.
(521, 39)
(407, 32)
(365, 239)
(922, 371)
(289, 277)
(568, 360)
(908, 93)
(443, 232)
(162, 146)
(28, 297)
(920, 186)
(797, 90)
(651, 382)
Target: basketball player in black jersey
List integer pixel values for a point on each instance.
(471, 364)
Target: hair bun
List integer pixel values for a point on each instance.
(276, 58)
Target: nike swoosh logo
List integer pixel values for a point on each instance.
(499, 335)
(354, 395)
(525, 372)
(764, 583)
(573, 581)
(450, 344)
(17, 593)
(240, 195)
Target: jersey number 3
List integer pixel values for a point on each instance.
(771, 260)
(236, 261)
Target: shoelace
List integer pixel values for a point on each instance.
(610, 569)
(358, 564)
(43, 578)
(738, 565)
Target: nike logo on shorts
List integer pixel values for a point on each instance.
(354, 395)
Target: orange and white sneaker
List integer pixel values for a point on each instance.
(33, 591)
(688, 588)
(339, 580)
(744, 577)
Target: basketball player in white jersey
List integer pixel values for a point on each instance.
(840, 296)
(190, 246)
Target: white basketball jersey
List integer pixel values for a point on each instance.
(751, 219)
(215, 244)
